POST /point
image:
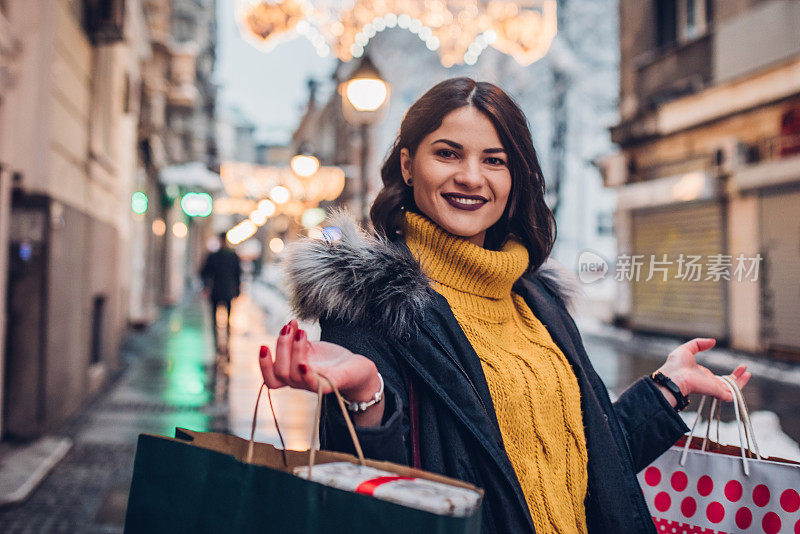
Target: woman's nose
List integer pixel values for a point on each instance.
(470, 174)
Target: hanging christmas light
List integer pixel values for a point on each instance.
(458, 30)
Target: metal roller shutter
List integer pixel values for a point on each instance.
(780, 234)
(679, 306)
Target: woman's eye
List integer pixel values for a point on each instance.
(496, 161)
(445, 153)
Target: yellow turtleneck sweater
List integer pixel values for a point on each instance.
(533, 387)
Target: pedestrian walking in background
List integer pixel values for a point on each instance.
(447, 330)
(221, 275)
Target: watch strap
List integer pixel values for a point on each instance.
(663, 380)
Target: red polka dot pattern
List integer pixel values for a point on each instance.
(679, 481)
(790, 501)
(715, 512)
(761, 495)
(705, 485)
(744, 517)
(733, 490)
(797, 528)
(662, 501)
(688, 507)
(771, 523)
(652, 476)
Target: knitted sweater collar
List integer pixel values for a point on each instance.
(455, 262)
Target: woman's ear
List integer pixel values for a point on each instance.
(405, 164)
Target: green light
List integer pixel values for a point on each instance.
(197, 204)
(139, 202)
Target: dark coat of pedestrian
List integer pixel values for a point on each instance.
(222, 273)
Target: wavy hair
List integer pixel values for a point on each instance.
(526, 214)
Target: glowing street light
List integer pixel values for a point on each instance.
(304, 165)
(197, 204)
(159, 227)
(180, 230)
(258, 218)
(364, 101)
(139, 202)
(267, 207)
(280, 194)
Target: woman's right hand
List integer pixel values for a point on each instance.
(297, 359)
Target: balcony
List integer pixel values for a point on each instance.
(668, 74)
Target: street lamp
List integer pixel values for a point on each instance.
(364, 102)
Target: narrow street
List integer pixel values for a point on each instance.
(171, 381)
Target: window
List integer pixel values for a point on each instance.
(666, 22)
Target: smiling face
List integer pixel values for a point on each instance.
(460, 174)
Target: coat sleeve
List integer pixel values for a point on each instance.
(650, 424)
(388, 441)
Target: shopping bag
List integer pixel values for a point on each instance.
(701, 486)
(210, 482)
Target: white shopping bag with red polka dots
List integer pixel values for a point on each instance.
(700, 486)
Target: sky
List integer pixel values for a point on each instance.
(269, 88)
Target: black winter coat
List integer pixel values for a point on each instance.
(222, 274)
(371, 297)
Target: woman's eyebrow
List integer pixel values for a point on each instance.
(461, 147)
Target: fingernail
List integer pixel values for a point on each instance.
(303, 368)
(285, 329)
(263, 352)
(300, 335)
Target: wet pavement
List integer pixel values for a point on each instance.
(620, 361)
(175, 379)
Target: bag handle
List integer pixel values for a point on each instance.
(318, 415)
(312, 450)
(743, 424)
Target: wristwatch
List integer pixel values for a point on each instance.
(662, 380)
(358, 407)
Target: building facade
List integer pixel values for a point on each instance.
(708, 171)
(85, 91)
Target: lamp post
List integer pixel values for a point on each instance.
(364, 102)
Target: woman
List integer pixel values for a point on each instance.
(449, 304)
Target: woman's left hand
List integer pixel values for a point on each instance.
(691, 377)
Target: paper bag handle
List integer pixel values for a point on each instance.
(253, 426)
(317, 416)
(743, 424)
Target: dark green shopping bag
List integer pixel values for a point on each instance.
(203, 482)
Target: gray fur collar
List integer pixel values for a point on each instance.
(366, 277)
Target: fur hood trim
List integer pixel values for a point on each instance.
(351, 275)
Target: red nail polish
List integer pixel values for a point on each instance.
(303, 368)
(300, 335)
(263, 352)
(285, 329)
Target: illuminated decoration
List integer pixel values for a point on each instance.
(267, 207)
(366, 94)
(458, 30)
(180, 230)
(279, 195)
(159, 227)
(246, 182)
(276, 245)
(312, 217)
(241, 232)
(304, 165)
(233, 206)
(258, 218)
(197, 204)
(139, 202)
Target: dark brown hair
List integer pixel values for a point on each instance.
(526, 215)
